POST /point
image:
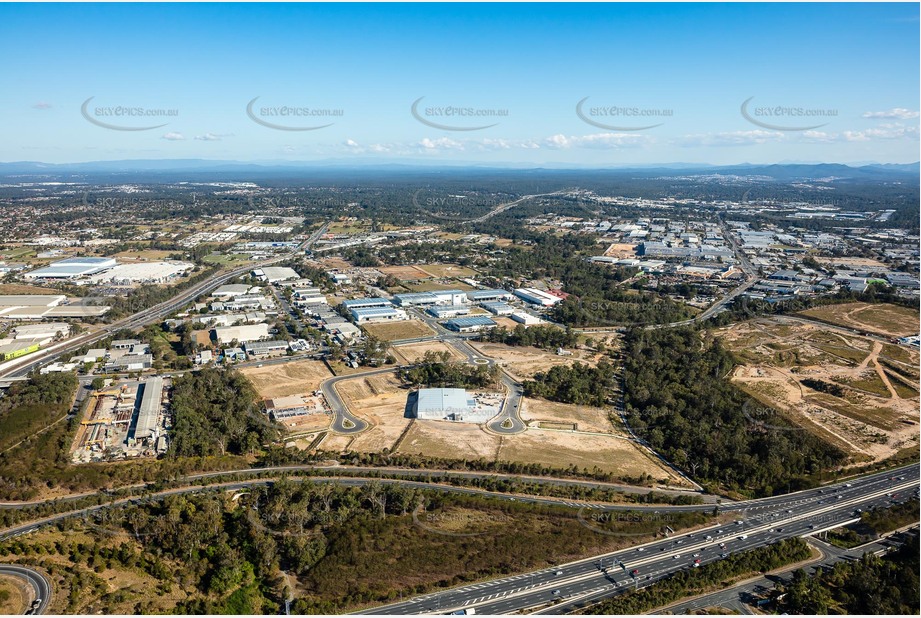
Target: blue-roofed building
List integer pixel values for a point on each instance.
(471, 323)
(498, 308)
(449, 311)
(479, 296)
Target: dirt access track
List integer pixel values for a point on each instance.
(856, 393)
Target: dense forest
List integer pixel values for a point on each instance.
(436, 370)
(218, 553)
(872, 585)
(678, 397)
(217, 413)
(577, 383)
(547, 337)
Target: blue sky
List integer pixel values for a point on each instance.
(688, 68)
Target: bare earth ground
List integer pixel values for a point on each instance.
(294, 378)
(523, 362)
(381, 401)
(621, 250)
(891, 320)
(412, 352)
(585, 418)
(334, 262)
(14, 288)
(852, 262)
(21, 595)
(450, 440)
(448, 270)
(405, 329)
(306, 424)
(444, 284)
(560, 449)
(405, 273)
(875, 416)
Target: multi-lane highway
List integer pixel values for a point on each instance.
(759, 522)
(41, 587)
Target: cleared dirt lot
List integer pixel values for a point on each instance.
(856, 393)
(381, 401)
(413, 352)
(886, 319)
(448, 270)
(405, 273)
(561, 449)
(392, 331)
(450, 440)
(522, 362)
(582, 418)
(286, 379)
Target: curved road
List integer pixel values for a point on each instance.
(40, 584)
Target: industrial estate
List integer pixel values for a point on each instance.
(448, 309)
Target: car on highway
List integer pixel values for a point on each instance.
(559, 572)
(724, 555)
(697, 556)
(556, 592)
(676, 556)
(640, 549)
(635, 572)
(722, 545)
(743, 537)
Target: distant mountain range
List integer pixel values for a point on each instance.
(783, 171)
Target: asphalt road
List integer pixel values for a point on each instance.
(40, 584)
(560, 589)
(22, 367)
(739, 597)
(345, 422)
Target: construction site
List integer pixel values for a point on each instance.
(124, 420)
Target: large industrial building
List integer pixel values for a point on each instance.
(479, 296)
(366, 315)
(364, 303)
(448, 311)
(243, 333)
(141, 272)
(470, 324)
(430, 299)
(450, 404)
(537, 297)
(145, 423)
(72, 268)
(42, 306)
(259, 349)
(274, 274)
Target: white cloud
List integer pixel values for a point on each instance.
(884, 131)
(441, 143)
(352, 143)
(731, 138)
(209, 137)
(173, 136)
(42, 105)
(595, 140)
(896, 113)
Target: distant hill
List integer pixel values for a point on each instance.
(780, 172)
